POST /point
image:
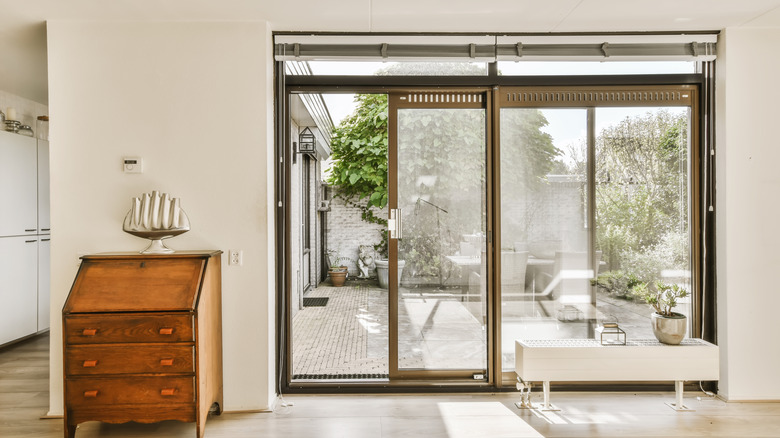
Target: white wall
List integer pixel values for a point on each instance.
(748, 154)
(195, 100)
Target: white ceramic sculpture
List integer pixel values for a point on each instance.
(156, 217)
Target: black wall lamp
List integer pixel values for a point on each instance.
(307, 142)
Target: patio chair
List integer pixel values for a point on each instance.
(569, 281)
(513, 267)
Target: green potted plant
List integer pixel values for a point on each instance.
(338, 271)
(669, 327)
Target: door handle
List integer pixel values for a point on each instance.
(394, 225)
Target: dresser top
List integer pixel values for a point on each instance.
(138, 255)
(131, 282)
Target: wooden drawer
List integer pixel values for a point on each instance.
(96, 391)
(123, 359)
(103, 329)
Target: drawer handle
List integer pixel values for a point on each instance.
(166, 331)
(91, 394)
(89, 332)
(166, 362)
(90, 363)
(167, 392)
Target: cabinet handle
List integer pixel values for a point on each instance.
(167, 392)
(91, 394)
(45, 240)
(30, 241)
(89, 363)
(166, 362)
(89, 332)
(166, 331)
(27, 230)
(45, 229)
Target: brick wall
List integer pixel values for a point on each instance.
(346, 230)
(553, 216)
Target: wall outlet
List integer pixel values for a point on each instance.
(235, 257)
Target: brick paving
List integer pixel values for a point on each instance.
(347, 336)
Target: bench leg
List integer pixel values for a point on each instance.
(546, 386)
(546, 406)
(678, 392)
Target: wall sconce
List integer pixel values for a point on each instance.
(307, 142)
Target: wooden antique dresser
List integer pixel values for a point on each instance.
(142, 339)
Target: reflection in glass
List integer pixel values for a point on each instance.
(441, 192)
(407, 68)
(545, 290)
(541, 68)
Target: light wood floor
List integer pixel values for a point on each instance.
(24, 399)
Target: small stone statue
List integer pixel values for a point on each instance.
(366, 263)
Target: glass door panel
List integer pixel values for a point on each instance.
(440, 185)
(544, 263)
(642, 208)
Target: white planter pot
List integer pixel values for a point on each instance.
(669, 329)
(382, 268)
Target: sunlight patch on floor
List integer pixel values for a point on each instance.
(468, 419)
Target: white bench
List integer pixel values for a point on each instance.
(586, 360)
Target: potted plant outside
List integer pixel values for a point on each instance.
(668, 327)
(338, 271)
(383, 264)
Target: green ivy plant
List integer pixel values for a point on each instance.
(359, 151)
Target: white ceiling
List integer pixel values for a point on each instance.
(23, 31)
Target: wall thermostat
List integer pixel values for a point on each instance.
(133, 164)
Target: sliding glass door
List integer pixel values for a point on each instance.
(514, 213)
(438, 245)
(594, 196)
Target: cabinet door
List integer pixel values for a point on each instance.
(18, 185)
(44, 224)
(44, 282)
(18, 287)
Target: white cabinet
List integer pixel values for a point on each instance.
(18, 287)
(24, 239)
(44, 224)
(18, 185)
(44, 281)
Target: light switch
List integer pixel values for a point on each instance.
(133, 164)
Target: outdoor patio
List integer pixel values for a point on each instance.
(347, 338)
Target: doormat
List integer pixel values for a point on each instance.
(315, 302)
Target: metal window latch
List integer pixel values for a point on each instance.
(394, 223)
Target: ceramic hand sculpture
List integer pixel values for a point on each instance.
(156, 217)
